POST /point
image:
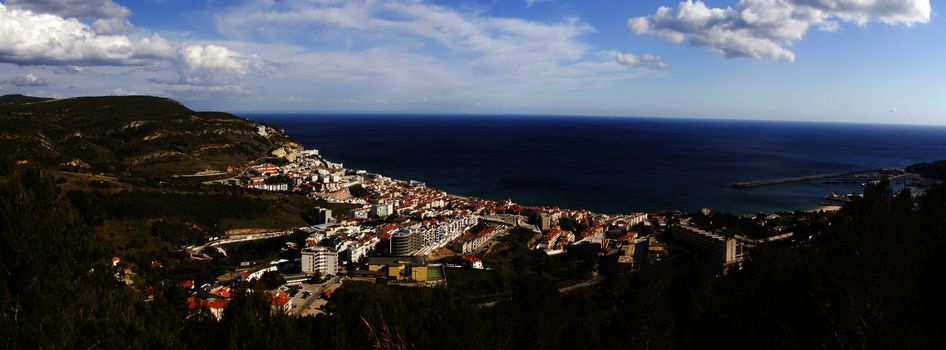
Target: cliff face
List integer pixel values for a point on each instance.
(138, 135)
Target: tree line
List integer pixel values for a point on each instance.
(871, 280)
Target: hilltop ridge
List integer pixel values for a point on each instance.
(136, 135)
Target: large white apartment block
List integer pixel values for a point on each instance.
(728, 250)
(323, 260)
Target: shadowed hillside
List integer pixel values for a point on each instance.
(138, 135)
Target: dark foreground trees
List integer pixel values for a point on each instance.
(872, 281)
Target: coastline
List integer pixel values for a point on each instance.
(611, 165)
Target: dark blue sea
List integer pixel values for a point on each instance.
(613, 165)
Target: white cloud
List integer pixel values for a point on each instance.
(123, 92)
(68, 70)
(359, 54)
(29, 79)
(862, 11)
(529, 3)
(646, 61)
(469, 46)
(486, 39)
(626, 59)
(28, 38)
(763, 29)
(46, 39)
(215, 65)
(112, 26)
(97, 9)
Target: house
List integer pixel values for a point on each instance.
(473, 261)
(214, 305)
(282, 301)
(186, 284)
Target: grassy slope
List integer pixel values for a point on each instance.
(131, 135)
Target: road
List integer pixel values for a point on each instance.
(234, 177)
(564, 290)
(241, 238)
(584, 284)
(312, 305)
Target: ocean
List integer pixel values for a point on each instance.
(613, 165)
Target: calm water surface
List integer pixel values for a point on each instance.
(612, 165)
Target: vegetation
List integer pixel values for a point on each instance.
(934, 171)
(358, 191)
(869, 282)
(137, 135)
(869, 278)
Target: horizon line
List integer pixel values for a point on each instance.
(596, 116)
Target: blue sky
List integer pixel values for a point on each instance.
(881, 61)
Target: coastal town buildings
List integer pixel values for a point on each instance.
(321, 260)
(408, 270)
(322, 215)
(387, 233)
(727, 250)
(475, 240)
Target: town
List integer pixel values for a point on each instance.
(401, 232)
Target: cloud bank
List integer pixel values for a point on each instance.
(54, 36)
(28, 38)
(765, 29)
(29, 79)
(407, 46)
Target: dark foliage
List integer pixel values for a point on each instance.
(871, 280)
(933, 171)
(358, 191)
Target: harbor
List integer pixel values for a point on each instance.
(858, 176)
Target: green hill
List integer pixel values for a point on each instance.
(135, 135)
(935, 171)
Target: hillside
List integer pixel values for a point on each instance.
(134, 135)
(935, 171)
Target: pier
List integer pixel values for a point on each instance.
(797, 179)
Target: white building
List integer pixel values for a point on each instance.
(320, 259)
(360, 250)
(728, 250)
(636, 218)
(360, 213)
(382, 210)
(438, 234)
(269, 187)
(475, 241)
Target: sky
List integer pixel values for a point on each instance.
(872, 61)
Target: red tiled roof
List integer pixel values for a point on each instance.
(221, 291)
(485, 232)
(281, 299)
(217, 303)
